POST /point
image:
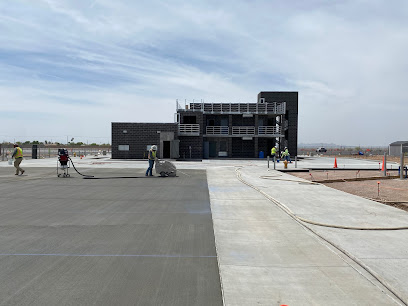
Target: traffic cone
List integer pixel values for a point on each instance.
(335, 162)
(382, 168)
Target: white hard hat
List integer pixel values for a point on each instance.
(154, 148)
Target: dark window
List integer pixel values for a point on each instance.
(189, 119)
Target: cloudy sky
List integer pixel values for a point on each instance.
(70, 68)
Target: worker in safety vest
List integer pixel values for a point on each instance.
(286, 155)
(18, 157)
(273, 153)
(152, 157)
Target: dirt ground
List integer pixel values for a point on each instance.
(379, 158)
(389, 191)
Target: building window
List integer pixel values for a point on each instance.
(189, 119)
(123, 147)
(124, 131)
(261, 100)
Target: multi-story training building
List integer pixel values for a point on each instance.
(215, 130)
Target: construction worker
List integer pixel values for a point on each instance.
(273, 152)
(152, 158)
(286, 155)
(18, 157)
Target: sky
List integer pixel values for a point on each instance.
(70, 68)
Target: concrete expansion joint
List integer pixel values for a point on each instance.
(302, 222)
(298, 218)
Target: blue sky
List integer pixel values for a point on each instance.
(70, 68)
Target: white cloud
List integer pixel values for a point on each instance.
(129, 61)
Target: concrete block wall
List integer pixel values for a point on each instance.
(138, 136)
(196, 143)
(243, 148)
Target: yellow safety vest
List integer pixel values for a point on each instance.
(273, 151)
(152, 154)
(19, 153)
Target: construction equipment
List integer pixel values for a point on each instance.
(165, 168)
(62, 163)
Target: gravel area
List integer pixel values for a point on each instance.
(392, 192)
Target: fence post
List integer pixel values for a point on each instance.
(385, 164)
(295, 161)
(274, 162)
(268, 161)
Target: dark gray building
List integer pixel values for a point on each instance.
(215, 130)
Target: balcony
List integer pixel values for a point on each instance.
(217, 130)
(269, 131)
(277, 108)
(189, 130)
(243, 130)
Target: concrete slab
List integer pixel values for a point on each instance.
(146, 241)
(266, 258)
(376, 250)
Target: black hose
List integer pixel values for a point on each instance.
(85, 176)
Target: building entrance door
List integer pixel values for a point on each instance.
(166, 149)
(213, 149)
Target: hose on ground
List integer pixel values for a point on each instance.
(302, 221)
(86, 176)
(292, 214)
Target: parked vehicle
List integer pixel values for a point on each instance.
(321, 150)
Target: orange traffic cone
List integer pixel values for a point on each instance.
(335, 162)
(382, 168)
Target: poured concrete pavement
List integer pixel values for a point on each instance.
(124, 241)
(71, 241)
(267, 257)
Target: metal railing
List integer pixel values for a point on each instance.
(243, 130)
(269, 130)
(217, 130)
(189, 129)
(237, 108)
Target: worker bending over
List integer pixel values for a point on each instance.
(286, 155)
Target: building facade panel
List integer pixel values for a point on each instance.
(137, 136)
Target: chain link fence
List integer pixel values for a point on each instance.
(43, 151)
